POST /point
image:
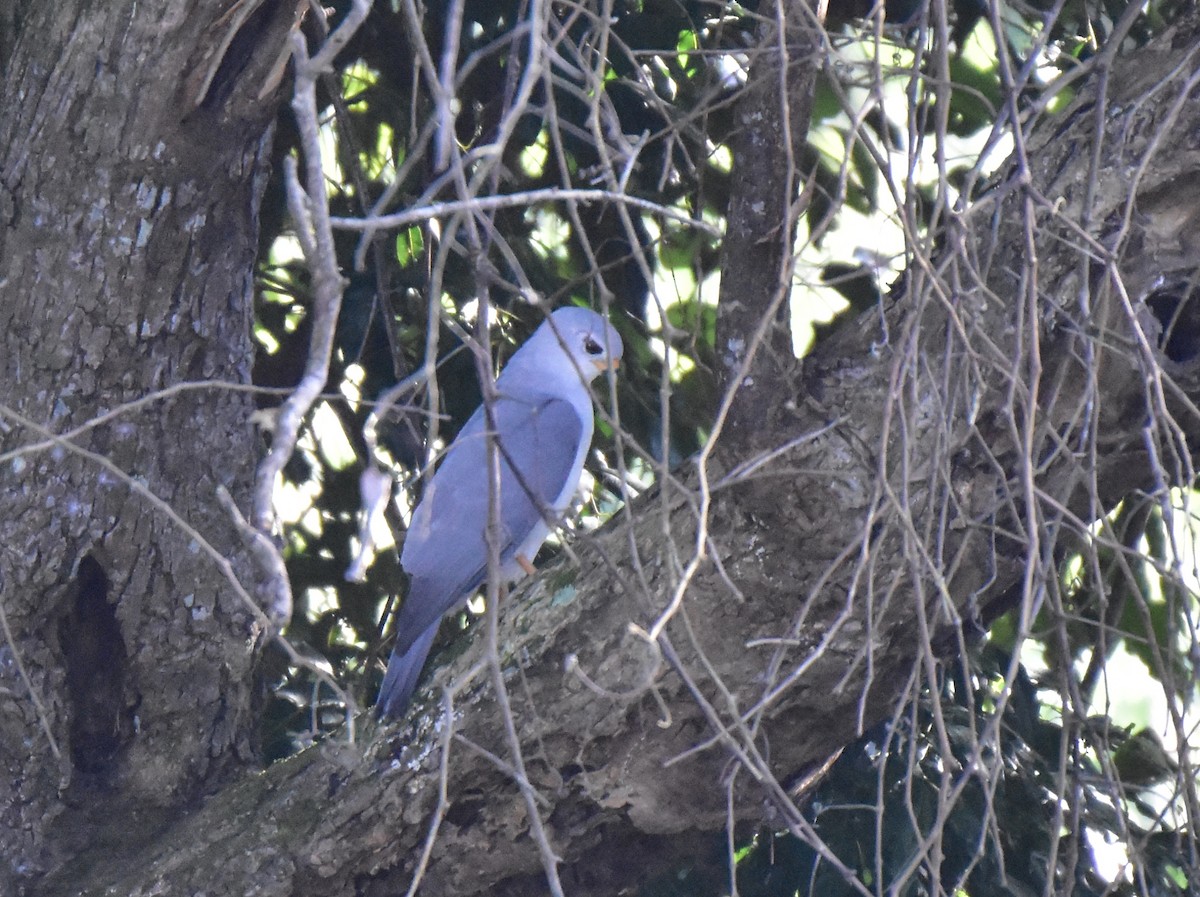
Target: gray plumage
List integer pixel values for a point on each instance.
(543, 418)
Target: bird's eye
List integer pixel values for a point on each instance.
(592, 347)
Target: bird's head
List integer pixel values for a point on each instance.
(581, 338)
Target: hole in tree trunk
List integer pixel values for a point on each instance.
(1179, 313)
(96, 668)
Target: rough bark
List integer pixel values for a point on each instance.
(755, 335)
(132, 147)
(905, 512)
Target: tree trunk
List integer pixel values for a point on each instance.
(131, 165)
(760, 373)
(930, 444)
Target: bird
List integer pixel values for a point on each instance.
(543, 421)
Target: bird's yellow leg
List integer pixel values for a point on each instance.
(526, 564)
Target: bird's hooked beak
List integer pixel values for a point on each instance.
(607, 364)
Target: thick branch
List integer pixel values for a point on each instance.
(754, 333)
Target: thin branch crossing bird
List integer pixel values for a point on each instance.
(542, 420)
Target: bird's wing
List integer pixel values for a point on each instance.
(445, 551)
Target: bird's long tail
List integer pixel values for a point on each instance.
(403, 669)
